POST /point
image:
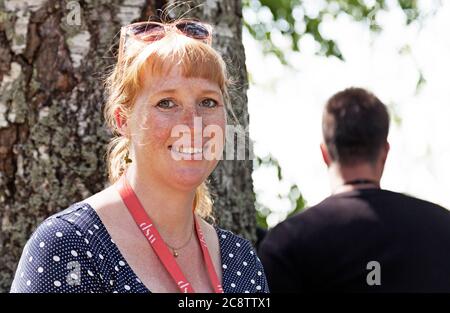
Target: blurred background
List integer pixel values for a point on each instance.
(299, 53)
(294, 54)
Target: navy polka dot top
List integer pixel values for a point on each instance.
(72, 252)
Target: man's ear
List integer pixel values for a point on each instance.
(121, 122)
(325, 154)
(385, 152)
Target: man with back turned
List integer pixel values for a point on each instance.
(362, 238)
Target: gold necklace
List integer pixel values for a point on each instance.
(175, 250)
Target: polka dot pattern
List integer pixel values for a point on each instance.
(240, 265)
(72, 252)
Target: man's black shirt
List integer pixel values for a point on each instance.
(328, 247)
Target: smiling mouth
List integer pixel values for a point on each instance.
(186, 150)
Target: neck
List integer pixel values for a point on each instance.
(170, 209)
(341, 175)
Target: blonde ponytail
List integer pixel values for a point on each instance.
(117, 149)
(203, 203)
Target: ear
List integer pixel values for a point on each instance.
(385, 152)
(325, 154)
(121, 122)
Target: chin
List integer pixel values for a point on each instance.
(188, 178)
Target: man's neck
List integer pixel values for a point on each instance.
(358, 176)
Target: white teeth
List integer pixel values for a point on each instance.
(189, 150)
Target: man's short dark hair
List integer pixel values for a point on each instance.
(355, 126)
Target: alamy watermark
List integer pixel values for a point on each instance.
(73, 278)
(373, 278)
(210, 142)
(73, 18)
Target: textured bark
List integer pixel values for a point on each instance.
(52, 133)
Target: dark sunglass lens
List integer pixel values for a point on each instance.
(194, 30)
(146, 29)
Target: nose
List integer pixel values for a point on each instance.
(189, 115)
(194, 121)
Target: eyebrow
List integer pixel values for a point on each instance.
(209, 91)
(170, 91)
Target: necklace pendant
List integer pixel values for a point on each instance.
(175, 254)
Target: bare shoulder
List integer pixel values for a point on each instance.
(208, 230)
(212, 240)
(104, 199)
(108, 205)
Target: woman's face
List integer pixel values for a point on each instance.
(177, 128)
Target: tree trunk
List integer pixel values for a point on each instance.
(53, 58)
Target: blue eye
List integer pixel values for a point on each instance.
(166, 104)
(209, 103)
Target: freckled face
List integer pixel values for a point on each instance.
(171, 127)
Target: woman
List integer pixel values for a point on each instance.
(147, 231)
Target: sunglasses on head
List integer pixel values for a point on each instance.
(152, 31)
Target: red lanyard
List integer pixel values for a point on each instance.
(150, 232)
